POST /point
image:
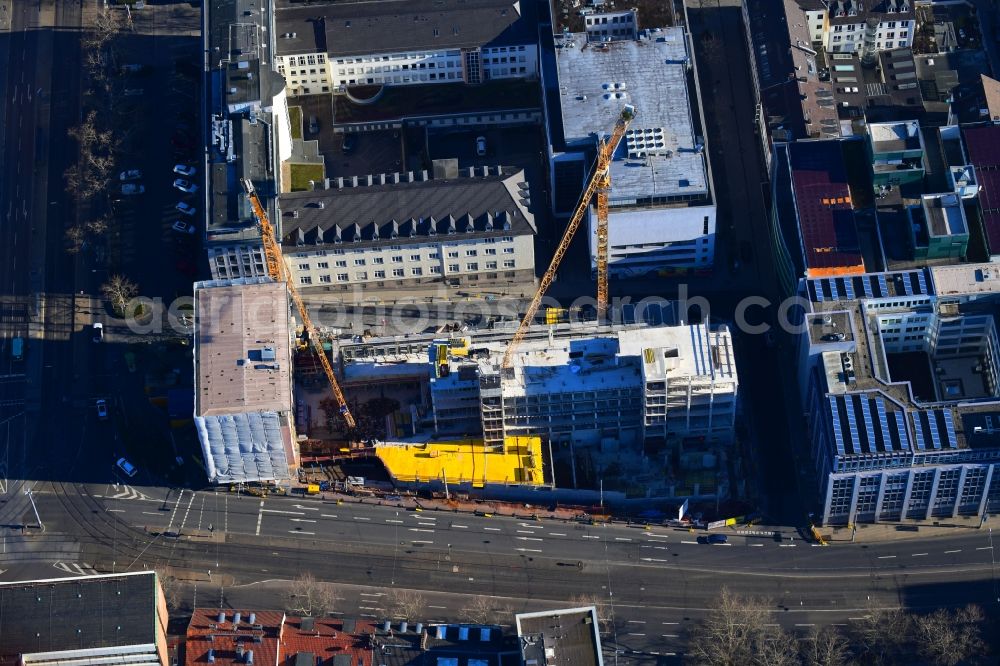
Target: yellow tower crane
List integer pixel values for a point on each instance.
(279, 273)
(598, 184)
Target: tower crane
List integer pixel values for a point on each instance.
(598, 184)
(278, 271)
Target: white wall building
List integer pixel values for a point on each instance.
(325, 48)
(887, 24)
(662, 212)
(475, 229)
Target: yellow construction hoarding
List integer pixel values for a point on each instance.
(466, 461)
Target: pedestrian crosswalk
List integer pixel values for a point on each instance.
(126, 492)
(78, 569)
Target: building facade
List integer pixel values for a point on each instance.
(394, 231)
(329, 47)
(899, 379)
(849, 26)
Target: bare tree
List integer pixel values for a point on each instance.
(948, 638)
(404, 604)
(826, 647)
(738, 632)
(483, 609)
(119, 290)
(75, 237)
(170, 587)
(604, 618)
(310, 597)
(881, 634)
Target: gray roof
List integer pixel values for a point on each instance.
(78, 613)
(392, 26)
(409, 212)
(569, 636)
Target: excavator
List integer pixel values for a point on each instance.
(279, 273)
(598, 185)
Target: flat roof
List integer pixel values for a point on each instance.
(397, 26)
(79, 613)
(944, 214)
(825, 211)
(966, 279)
(659, 156)
(466, 461)
(983, 146)
(565, 637)
(242, 349)
(893, 137)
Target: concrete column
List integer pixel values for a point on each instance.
(986, 490)
(906, 494)
(829, 499)
(883, 481)
(958, 491)
(854, 499)
(934, 488)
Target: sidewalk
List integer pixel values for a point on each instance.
(910, 529)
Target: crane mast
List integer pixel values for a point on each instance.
(598, 184)
(279, 273)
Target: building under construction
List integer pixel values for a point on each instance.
(631, 395)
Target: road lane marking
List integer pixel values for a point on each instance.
(116, 510)
(756, 545)
(985, 548)
(531, 527)
(671, 623)
(260, 516)
(417, 516)
(298, 532)
(390, 520)
(461, 527)
(492, 529)
(417, 529)
(805, 625)
(556, 534)
(289, 513)
(786, 545)
(361, 518)
(886, 557)
(418, 541)
(438, 607)
(371, 594)
(306, 508)
(327, 515)
(668, 635)
(524, 531)
(428, 524)
(591, 536)
(622, 539)
(635, 634)
(653, 559)
(654, 535)
(151, 513)
(694, 542)
(302, 520)
(529, 538)
(918, 554)
(636, 622)
(949, 552)
(528, 550)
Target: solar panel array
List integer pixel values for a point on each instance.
(862, 424)
(934, 429)
(870, 285)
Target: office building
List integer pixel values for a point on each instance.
(243, 384)
(897, 153)
(392, 231)
(662, 211)
(900, 380)
(328, 47)
(95, 620)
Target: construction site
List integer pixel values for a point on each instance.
(628, 410)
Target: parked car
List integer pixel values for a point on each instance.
(98, 330)
(718, 539)
(185, 208)
(481, 146)
(130, 174)
(127, 467)
(102, 409)
(182, 227)
(185, 185)
(133, 188)
(184, 170)
(350, 143)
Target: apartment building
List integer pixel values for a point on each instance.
(899, 378)
(662, 210)
(982, 144)
(325, 48)
(858, 26)
(243, 382)
(392, 231)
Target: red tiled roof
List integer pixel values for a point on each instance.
(326, 641)
(983, 146)
(205, 633)
(825, 211)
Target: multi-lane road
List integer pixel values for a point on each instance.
(656, 581)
